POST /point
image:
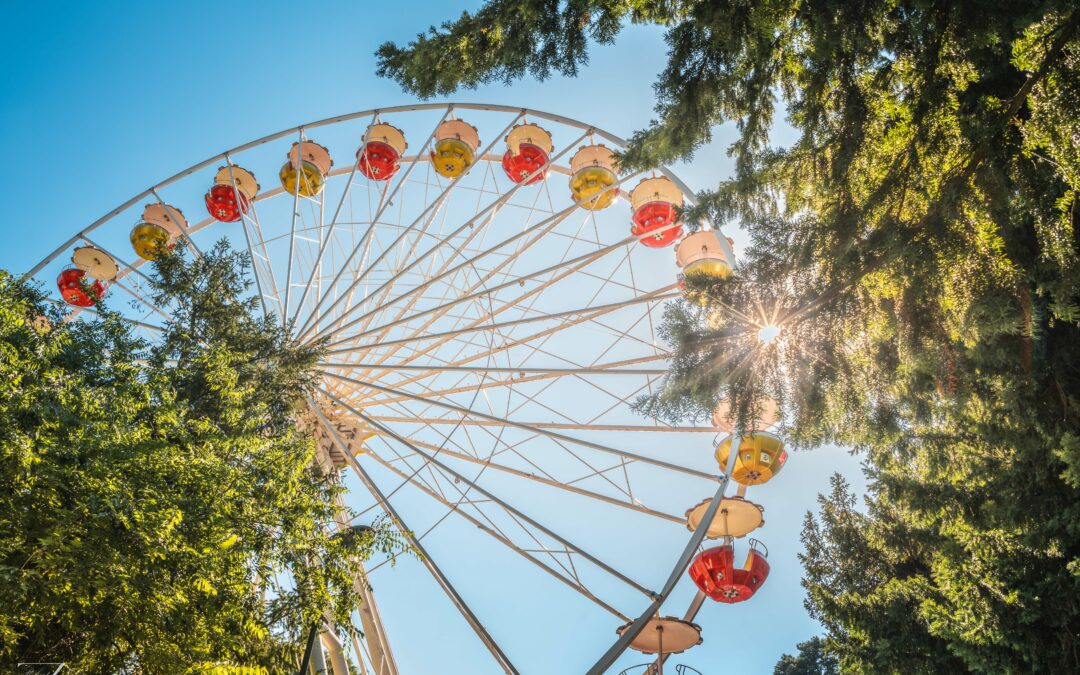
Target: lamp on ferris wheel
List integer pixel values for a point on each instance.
(226, 204)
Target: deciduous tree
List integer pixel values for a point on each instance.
(151, 492)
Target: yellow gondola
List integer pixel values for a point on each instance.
(593, 179)
(456, 143)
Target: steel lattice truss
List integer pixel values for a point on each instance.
(488, 335)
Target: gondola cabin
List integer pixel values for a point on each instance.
(714, 572)
(306, 170)
(593, 178)
(456, 143)
(703, 253)
(761, 456)
(379, 158)
(654, 203)
(157, 230)
(79, 289)
(232, 193)
(528, 149)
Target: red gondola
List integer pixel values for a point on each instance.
(655, 202)
(225, 204)
(714, 572)
(527, 150)
(378, 158)
(78, 289)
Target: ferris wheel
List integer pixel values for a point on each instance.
(489, 290)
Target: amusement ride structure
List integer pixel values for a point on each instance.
(488, 288)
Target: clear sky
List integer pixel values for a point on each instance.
(101, 100)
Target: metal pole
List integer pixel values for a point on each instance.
(427, 560)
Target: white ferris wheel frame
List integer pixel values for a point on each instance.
(378, 653)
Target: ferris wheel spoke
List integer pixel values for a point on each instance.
(504, 540)
(576, 263)
(425, 557)
(548, 480)
(456, 250)
(471, 222)
(569, 439)
(510, 509)
(359, 277)
(388, 289)
(90, 310)
(329, 235)
(524, 340)
(443, 309)
(491, 210)
(264, 281)
(292, 229)
(537, 374)
(313, 316)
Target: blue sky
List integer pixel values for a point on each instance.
(101, 100)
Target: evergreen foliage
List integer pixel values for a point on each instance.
(149, 492)
(917, 246)
(811, 659)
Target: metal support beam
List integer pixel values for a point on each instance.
(527, 427)
(509, 509)
(427, 560)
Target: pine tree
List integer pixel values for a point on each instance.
(917, 247)
(811, 659)
(149, 492)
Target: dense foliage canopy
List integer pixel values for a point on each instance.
(917, 246)
(152, 494)
(811, 659)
